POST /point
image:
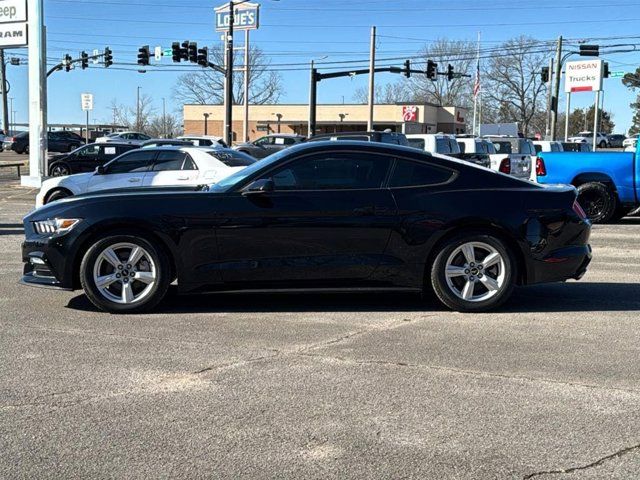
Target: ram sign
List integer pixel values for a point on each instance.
(245, 17)
(583, 76)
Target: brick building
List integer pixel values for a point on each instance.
(293, 118)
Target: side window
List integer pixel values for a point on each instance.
(442, 145)
(416, 143)
(133, 162)
(263, 141)
(89, 151)
(539, 148)
(288, 141)
(333, 171)
(462, 147)
(408, 173)
(453, 145)
(107, 151)
(169, 161)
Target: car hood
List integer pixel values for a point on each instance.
(243, 144)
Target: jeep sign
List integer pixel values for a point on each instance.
(13, 11)
(583, 76)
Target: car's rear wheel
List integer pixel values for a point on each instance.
(598, 201)
(473, 272)
(125, 274)
(602, 144)
(59, 170)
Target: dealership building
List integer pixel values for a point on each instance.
(293, 118)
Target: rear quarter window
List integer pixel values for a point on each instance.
(409, 173)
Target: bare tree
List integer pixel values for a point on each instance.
(136, 117)
(457, 92)
(164, 126)
(513, 90)
(206, 86)
(385, 94)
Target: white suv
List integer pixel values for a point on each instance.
(587, 137)
(443, 143)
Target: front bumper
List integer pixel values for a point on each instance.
(38, 270)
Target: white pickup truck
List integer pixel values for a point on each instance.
(446, 144)
(514, 156)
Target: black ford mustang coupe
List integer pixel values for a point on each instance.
(322, 215)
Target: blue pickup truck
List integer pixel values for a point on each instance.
(608, 183)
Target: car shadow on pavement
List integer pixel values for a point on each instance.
(11, 229)
(557, 297)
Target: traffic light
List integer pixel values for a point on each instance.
(407, 68)
(589, 50)
(84, 60)
(175, 51)
(606, 71)
(143, 55)
(192, 52)
(15, 61)
(203, 57)
(450, 74)
(67, 62)
(544, 74)
(432, 71)
(108, 57)
(184, 51)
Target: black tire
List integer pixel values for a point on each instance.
(25, 149)
(446, 294)
(59, 170)
(57, 195)
(598, 201)
(156, 291)
(602, 144)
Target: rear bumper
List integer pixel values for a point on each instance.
(562, 264)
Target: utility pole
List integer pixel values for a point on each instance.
(549, 100)
(372, 66)
(556, 88)
(3, 82)
(313, 98)
(228, 100)
(245, 123)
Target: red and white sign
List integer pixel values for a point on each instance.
(409, 113)
(583, 76)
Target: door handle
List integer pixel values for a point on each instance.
(134, 180)
(183, 178)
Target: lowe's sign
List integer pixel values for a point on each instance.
(245, 17)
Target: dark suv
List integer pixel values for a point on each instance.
(381, 137)
(56, 141)
(265, 146)
(86, 158)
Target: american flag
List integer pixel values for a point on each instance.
(476, 86)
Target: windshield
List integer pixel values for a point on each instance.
(229, 183)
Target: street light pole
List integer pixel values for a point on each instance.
(228, 101)
(164, 117)
(138, 110)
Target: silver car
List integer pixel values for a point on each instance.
(134, 138)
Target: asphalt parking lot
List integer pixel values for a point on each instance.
(323, 386)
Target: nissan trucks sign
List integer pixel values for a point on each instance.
(583, 76)
(245, 17)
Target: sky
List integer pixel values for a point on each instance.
(293, 32)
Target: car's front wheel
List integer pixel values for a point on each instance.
(125, 274)
(473, 272)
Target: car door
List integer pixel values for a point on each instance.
(262, 147)
(125, 171)
(328, 220)
(172, 167)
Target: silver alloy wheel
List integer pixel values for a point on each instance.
(124, 273)
(475, 271)
(59, 171)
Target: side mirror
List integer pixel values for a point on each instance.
(264, 185)
(100, 170)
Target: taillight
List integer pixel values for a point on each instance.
(541, 169)
(579, 211)
(505, 166)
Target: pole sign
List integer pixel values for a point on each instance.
(583, 76)
(13, 23)
(245, 17)
(86, 99)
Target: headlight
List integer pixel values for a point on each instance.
(55, 225)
